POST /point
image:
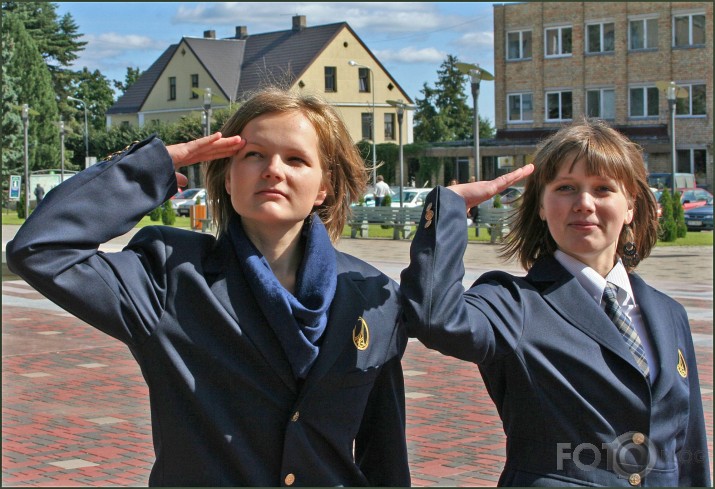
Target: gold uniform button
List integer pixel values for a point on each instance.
(638, 438)
(634, 479)
(290, 479)
(295, 416)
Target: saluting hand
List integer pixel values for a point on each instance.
(207, 148)
(477, 192)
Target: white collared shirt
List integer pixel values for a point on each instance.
(594, 284)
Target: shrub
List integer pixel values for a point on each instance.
(497, 201)
(167, 214)
(387, 201)
(668, 227)
(20, 207)
(679, 217)
(155, 215)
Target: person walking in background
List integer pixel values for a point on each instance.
(271, 358)
(593, 372)
(382, 190)
(39, 193)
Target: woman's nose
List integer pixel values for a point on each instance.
(274, 168)
(584, 202)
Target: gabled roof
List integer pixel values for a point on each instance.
(242, 66)
(222, 60)
(135, 96)
(281, 57)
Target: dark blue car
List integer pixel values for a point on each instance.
(700, 218)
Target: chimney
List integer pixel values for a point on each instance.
(210, 34)
(241, 32)
(298, 23)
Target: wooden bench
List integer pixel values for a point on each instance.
(494, 220)
(401, 219)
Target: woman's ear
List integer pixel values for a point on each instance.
(227, 180)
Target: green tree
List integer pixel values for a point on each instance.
(35, 89)
(12, 130)
(668, 227)
(131, 76)
(679, 217)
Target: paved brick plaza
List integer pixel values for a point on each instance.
(75, 408)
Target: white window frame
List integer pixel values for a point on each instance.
(645, 89)
(560, 40)
(689, 88)
(601, 25)
(646, 37)
(561, 105)
(521, 108)
(690, 29)
(521, 55)
(601, 102)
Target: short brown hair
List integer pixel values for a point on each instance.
(606, 152)
(339, 158)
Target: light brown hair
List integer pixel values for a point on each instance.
(340, 160)
(606, 152)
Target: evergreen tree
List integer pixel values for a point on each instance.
(132, 76)
(12, 130)
(679, 217)
(668, 227)
(26, 64)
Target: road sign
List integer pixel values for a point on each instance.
(15, 184)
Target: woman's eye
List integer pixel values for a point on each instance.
(564, 188)
(253, 154)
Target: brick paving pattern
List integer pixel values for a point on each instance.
(75, 407)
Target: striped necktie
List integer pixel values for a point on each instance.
(625, 326)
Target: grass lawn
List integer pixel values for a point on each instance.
(375, 231)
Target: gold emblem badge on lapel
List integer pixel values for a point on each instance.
(429, 215)
(682, 366)
(361, 334)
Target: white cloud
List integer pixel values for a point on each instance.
(411, 55)
(478, 40)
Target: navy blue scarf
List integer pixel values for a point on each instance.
(298, 320)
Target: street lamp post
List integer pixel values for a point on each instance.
(671, 93)
(372, 120)
(62, 150)
(400, 106)
(25, 123)
(86, 130)
(207, 110)
(477, 74)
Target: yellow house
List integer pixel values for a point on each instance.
(329, 60)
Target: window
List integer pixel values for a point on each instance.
(558, 41)
(559, 106)
(643, 34)
(366, 125)
(518, 45)
(390, 126)
(694, 103)
(643, 101)
(600, 38)
(194, 85)
(693, 161)
(331, 79)
(601, 103)
(364, 77)
(172, 88)
(688, 30)
(520, 107)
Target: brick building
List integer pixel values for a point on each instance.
(558, 61)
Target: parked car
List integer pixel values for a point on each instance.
(412, 197)
(689, 198)
(183, 201)
(700, 218)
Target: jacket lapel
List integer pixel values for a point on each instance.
(571, 301)
(234, 294)
(658, 319)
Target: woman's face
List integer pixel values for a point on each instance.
(276, 179)
(585, 215)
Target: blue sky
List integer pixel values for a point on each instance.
(411, 39)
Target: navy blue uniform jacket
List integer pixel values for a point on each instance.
(226, 409)
(575, 408)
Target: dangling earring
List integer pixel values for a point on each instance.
(630, 255)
